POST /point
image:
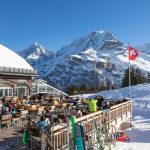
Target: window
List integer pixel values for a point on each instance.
(1, 92)
(49, 89)
(42, 89)
(16, 92)
(22, 91)
(52, 94)
(6, 92)
(10, 93)
(34, 89)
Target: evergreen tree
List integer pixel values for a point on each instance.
(136, 76)
(72, 90)
(83, 88)
(148, 77)
(113, 87)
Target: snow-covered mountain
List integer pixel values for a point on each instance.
(85, 60)
(145, 48)
(37, 56)
(98, 58)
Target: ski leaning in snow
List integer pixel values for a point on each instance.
(79, 141)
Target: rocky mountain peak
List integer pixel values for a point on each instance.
(34, 52)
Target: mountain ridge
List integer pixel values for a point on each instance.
(94, 59)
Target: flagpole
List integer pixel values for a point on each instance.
(129, 75)
(132, 54)
(129, 80)
(130, 85)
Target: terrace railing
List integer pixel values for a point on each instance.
(115, 116)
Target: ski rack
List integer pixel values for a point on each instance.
(99, 135)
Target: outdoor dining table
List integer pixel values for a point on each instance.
(64, 115)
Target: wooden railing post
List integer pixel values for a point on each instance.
(43, 141)
(121, 113)
(68, 136)
(127, 111)
(109, 116)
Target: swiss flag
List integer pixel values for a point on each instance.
(132, 53)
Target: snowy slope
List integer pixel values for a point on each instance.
(145, 48)
(140, 133)
(140, 95)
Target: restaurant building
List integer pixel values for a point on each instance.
(15, 74)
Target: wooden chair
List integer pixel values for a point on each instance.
(16, 118)
(6, 120)
(33, 109)
(24, 113)
(57, 103)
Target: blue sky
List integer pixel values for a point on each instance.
(55, 23)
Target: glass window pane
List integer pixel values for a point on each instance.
(6, 92)
(1, 92)
(10, 92)
(42, 88)
(16, 92)
(34, 89)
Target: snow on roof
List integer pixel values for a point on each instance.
(8, 58)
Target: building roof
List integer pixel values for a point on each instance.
(41, 82)
(8, 58)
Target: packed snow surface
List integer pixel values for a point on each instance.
(139, 134)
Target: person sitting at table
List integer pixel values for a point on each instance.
(4, 99)
(30, 122)
(100, 100)
(13, 109)
(9, 103)
(5, 111)
(41, 124)
(46, 112)
(30, 101)
(47, 119)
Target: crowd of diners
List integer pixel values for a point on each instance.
(9, 106)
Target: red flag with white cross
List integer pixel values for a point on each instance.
(132, 53)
